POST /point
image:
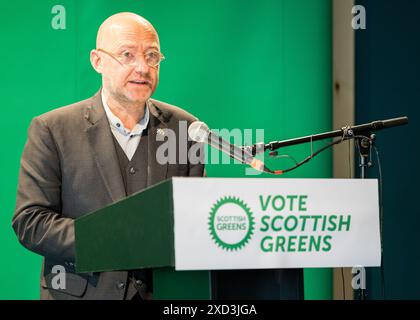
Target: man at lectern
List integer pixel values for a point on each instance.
(87, 155)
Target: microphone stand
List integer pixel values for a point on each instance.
(348, 132)
(365, 139)
(365, 145)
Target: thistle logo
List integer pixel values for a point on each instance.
(231, 223)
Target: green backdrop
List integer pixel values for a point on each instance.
(234, 64)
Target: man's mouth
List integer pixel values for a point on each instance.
(139, 82)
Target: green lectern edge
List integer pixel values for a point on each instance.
(134, 233)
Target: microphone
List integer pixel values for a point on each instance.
(198, 131)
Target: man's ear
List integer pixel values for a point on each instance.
(96, 61)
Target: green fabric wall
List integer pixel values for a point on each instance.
(234, 64)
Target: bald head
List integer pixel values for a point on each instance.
(124, 24)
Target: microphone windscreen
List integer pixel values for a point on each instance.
(198, 131)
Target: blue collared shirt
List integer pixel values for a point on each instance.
(128, 140)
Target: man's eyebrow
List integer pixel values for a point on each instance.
(133, 46)
(127, 46)
(152, 47)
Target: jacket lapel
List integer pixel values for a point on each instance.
(156, 172)
(102, 145)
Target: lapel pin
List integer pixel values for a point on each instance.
(160, 132)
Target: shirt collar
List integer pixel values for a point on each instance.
(117, 124)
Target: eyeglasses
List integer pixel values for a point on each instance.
(128, 58)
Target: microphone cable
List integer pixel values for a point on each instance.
(381, 221)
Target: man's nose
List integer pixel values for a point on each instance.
(141, 66)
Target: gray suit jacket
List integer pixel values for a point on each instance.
(69, 168)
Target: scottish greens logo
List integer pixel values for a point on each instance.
(231, 223)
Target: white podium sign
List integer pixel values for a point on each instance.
(258, 223)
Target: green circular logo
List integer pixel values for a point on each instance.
(231, 223)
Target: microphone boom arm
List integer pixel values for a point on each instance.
(345, 132)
